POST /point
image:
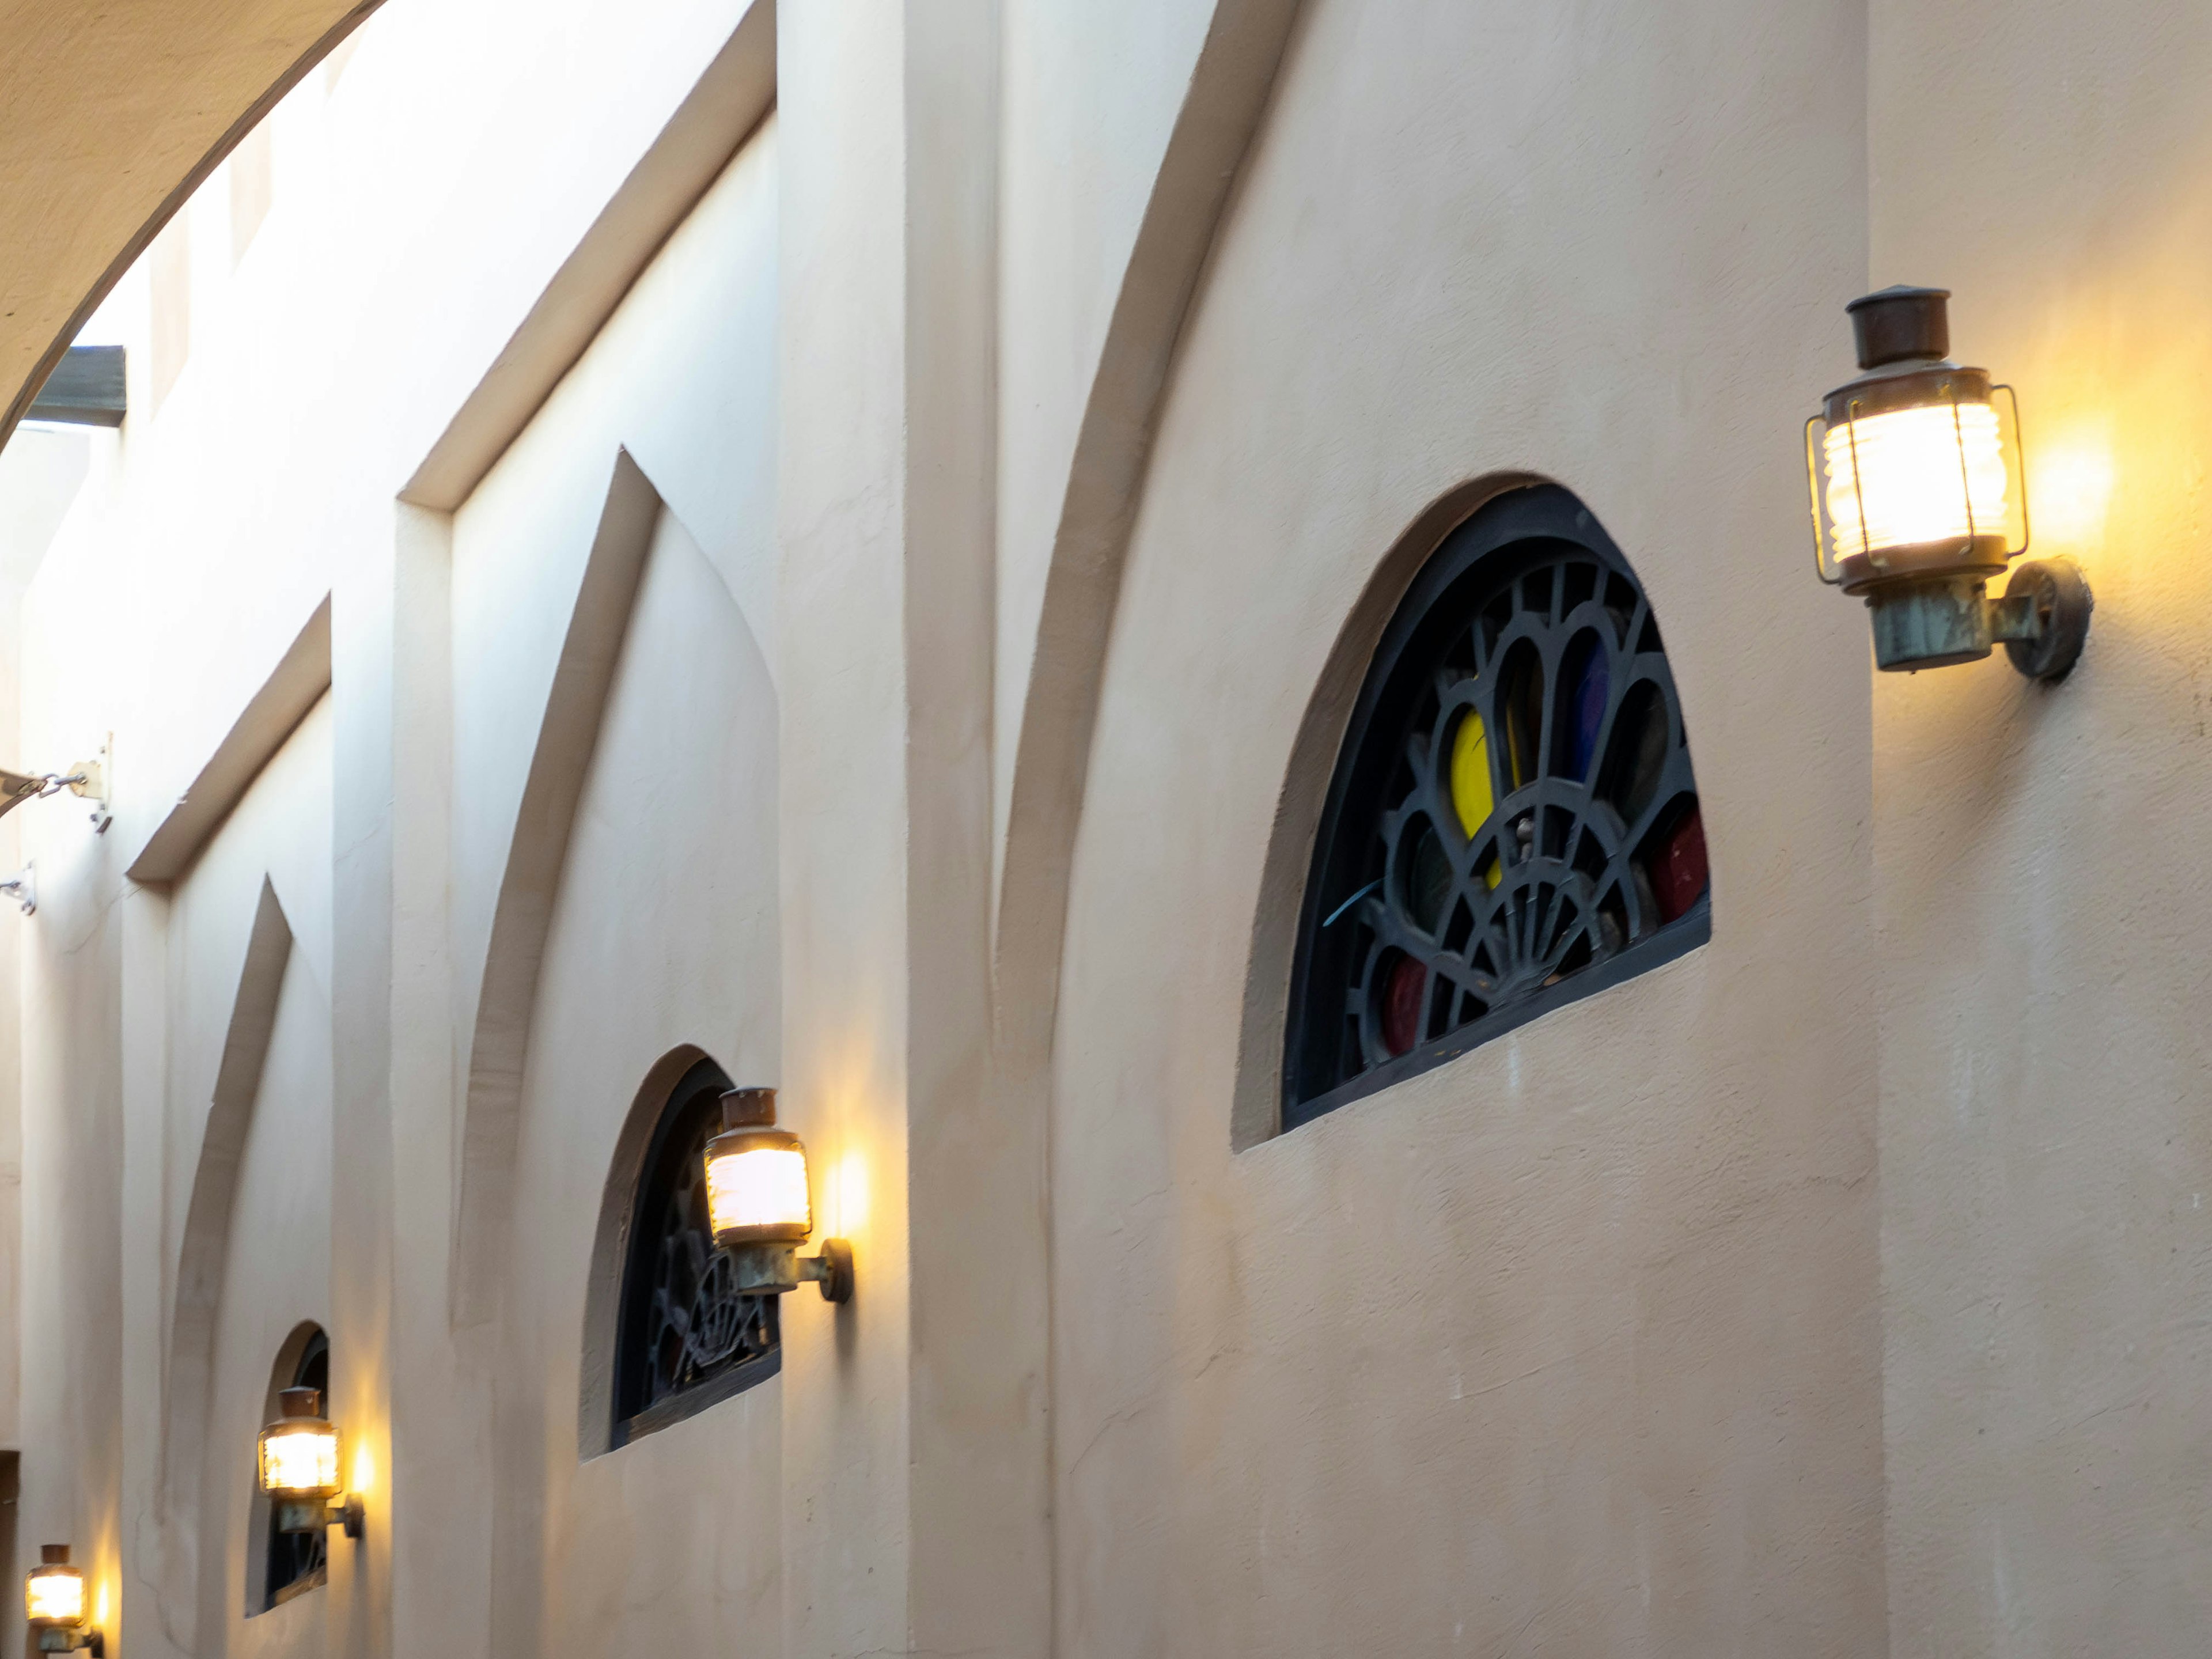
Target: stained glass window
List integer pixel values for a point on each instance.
(686, 1338)
(1513, 823)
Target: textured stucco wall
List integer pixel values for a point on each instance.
(665, 933)
(185, 561)
(1088, 97)
(1571, 1344)
(1578, 1343)
(275, 1261)
(41, 470)
(2042, 903)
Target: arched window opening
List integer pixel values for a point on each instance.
(685, 1338)
(1512, 823)
(294, 1562)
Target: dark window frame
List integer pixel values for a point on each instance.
(645, 1399)
(295, 1562)
(1495, 593)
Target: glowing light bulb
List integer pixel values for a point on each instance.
(1908, 478)
(300, 1457)
(756, 1185)
(53, 1593)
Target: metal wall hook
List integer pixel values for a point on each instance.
(23, 888)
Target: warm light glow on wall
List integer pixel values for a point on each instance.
(849, 1194)
(301, 1455)
(2074, 486)
(99, 1616)
(364, 1469)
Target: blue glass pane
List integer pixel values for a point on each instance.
(1585, 683)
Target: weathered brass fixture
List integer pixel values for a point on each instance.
(757, 1200)
(1919, 500)
(54, 1604)
(300, 1468)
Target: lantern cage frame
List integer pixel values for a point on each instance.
(764, 1259)
(74, 1635)
(308, 1508)
(1928, 602)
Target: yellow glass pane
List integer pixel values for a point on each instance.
(1470, 775)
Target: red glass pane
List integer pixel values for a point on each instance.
(1401, 1003)
(1679, 874)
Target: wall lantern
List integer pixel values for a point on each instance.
(757, 1200)
(53, 1601)
(1918, 500)
(300, 1468)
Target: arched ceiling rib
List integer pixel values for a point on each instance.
(110, 117)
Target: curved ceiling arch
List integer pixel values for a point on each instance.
(109, 119)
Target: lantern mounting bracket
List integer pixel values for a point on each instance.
(1931, 622)
(314, 1514)
(2043, 620)
(73, 1641)
(771, 1268)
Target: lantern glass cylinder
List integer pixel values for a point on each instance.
(53, 1593)
(300, 1449)
(1916, 473)
(756, 1187)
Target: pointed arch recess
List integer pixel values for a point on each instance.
(1229, 88)
(204, 1250)
(530, 881)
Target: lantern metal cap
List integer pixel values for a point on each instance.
(53, 1555)
(749, 1109)
(1899, 324)
(299, 1402)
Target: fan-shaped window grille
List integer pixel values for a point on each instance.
(1513, 823)
(296, 1561)
(686, 1340)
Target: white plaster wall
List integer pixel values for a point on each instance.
(665, 928)
(70, 954)
(328, 361)
(277, 1275)
(1573, 1344)
(665, 933)
(279, 832)
(1089, 95)
(421, 204)
(684, 376)
(2042, 901)
(841, 509)
(41, 470)
(276, 1265)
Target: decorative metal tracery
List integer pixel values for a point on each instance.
(687, 1338)
(1513, 823)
